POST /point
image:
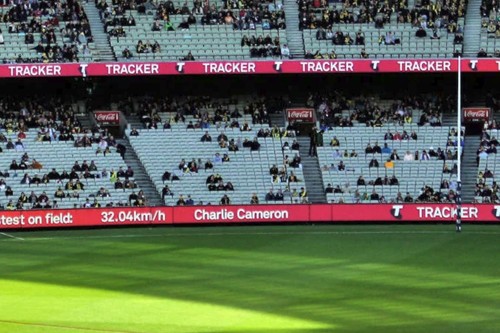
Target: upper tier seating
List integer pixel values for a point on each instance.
(490, 29)
(45, 32)
(387, 29)
(215, 35)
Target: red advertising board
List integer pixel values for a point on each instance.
(300, 115)
(243, 214)
(338, 66)
(107, 117)
(475, 114)
(85, 217)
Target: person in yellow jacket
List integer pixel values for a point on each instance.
(114, 176)
(10, 205)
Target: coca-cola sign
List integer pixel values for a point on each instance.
(301, 115)
(476, 114)
(107, 117)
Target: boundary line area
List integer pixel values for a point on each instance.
(249, 233)
(11, 236)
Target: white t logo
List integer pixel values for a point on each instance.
(397, 210)
(497, 211)
(375, 64)
(473, 64)
(180, 66)
(83, 69)
(277, 65)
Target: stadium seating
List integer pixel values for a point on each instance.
(409, 46)
(376, 19)
(486, 188)
(412, 175)
(16, 31)
(490, 29)
(247, 170)
(61, 156)
(204, 41)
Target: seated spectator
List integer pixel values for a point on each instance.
(394, 155)
(435, 34)
(421, 33)
(156, 26)
(279, 196)
(184, 25)
(181, 201)
(482, 54)
(217, 158)
(206, 137)
(208, 165)
(166, 191)
(126, 53)
(389, 164)
(188, 57)
(373, 163)
(335, 142)
(409, 156)
(255, 199)
(255, 145)
(285, 52)
(270, 196)
(225, 200)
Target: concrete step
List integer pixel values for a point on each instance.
(140, 175)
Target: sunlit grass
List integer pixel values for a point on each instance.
(300, 281)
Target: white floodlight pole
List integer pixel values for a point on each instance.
(458, 223)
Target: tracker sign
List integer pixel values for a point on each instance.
(300, 115)
(482, 65)
(475, 114)
(107, 117)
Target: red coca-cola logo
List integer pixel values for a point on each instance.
(107, 116)
(477, 113)
(301, 115)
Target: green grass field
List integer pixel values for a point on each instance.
(273, 279)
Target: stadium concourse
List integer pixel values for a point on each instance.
(78, 31)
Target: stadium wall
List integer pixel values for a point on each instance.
(249, 214)
(248, 67)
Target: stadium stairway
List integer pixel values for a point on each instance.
(472, 34)
(103, 50)
(134, 121)
(312, 173)
(141, 177)
(449, 119)
(277, 119)
(294, 36)
(85, 120)
(469, 167)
